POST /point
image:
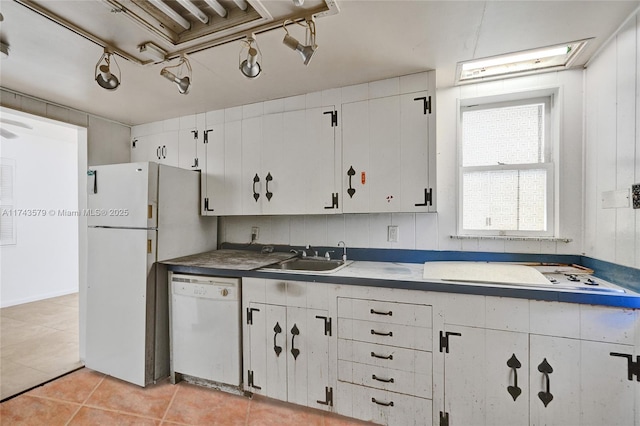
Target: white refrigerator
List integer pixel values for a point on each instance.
(138, 214)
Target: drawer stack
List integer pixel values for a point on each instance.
(385, 361)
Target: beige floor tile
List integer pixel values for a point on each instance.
(51, 353)
(16, 331)
(40, 313)
(16, 378)
(67, 300)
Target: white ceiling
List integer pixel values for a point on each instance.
(367, 40)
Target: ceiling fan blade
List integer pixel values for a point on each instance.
(7, 134)
(15, 123)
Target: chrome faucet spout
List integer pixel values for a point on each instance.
(344, 250)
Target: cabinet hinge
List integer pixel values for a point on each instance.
(205, 138)
(328, 397)
(334, 117)
(444, 418)
(334, 201)
(444, 340)
(426, 104)
(250, 314)
(428, 198)
(133, 143)
(195, 134)
(195, 163)
(206, 205)
(327, 324)
(633, 368)
(250, 380)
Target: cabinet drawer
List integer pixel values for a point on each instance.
(389, 312)
(385, 356)
(402, 336)
(405, 382)
(383, 407)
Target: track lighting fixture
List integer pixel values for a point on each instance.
(104, 72)
(306, 51)
(250, 67)
(183, 82)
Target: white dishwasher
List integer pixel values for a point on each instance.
(205, 328)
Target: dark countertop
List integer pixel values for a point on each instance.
(239, 263)
(237, 260)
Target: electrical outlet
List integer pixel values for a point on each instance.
(635, 195)
(255, 232)
(392, 233)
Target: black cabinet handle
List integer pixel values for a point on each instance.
(386, 404)
(158, 153)
(377, 333)
(195, 163)
(351, 173)
(269, 178)
(374, 377)
(514, 364)
(256, 195)
(164, 151)
(390, 313)
(277, 330)
(375, 355)
(294, 332)
(546, 369)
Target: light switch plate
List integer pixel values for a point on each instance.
(635, 195)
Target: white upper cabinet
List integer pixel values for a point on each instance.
(388, 147)
(359, 149)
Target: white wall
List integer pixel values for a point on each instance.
(432, 231)
(44, 261)
(612, 147)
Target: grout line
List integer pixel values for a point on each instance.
(83, 403)
(173, 397)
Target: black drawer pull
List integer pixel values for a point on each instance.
(390, 313)
(386, 404)
(374, 377)
(375, 355)
(390, 334)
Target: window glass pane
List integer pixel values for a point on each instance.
(533, 200)
(506, 135)
(509, 200)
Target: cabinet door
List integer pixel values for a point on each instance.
(168, 148)
(480, 377)
(145, 148)
(308, 357)
(355, 157)
(607, 395)
(188, 149)
(555, 380)
(253, 180)
(414, 154)
(322, 180)
(213, 201)
(267, 355)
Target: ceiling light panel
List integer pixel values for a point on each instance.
(520, 63)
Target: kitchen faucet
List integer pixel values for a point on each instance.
(344, 251)
(304, 252)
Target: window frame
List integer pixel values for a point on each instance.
(550, 164)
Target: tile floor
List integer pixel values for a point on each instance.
(38, 342)
(85, 397)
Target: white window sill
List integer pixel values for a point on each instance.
(509, 238)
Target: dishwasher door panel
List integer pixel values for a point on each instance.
(205, 328)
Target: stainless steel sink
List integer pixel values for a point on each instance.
(316, 265)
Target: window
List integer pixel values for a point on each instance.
(506, 173)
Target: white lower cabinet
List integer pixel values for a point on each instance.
(501, 377)
(287, 347)
(385, 361)
(402, 357)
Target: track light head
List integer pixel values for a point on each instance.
(250, 67)
(104, 75)
(183, 82)
(306, 51)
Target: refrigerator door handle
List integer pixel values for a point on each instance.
(94, 174)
